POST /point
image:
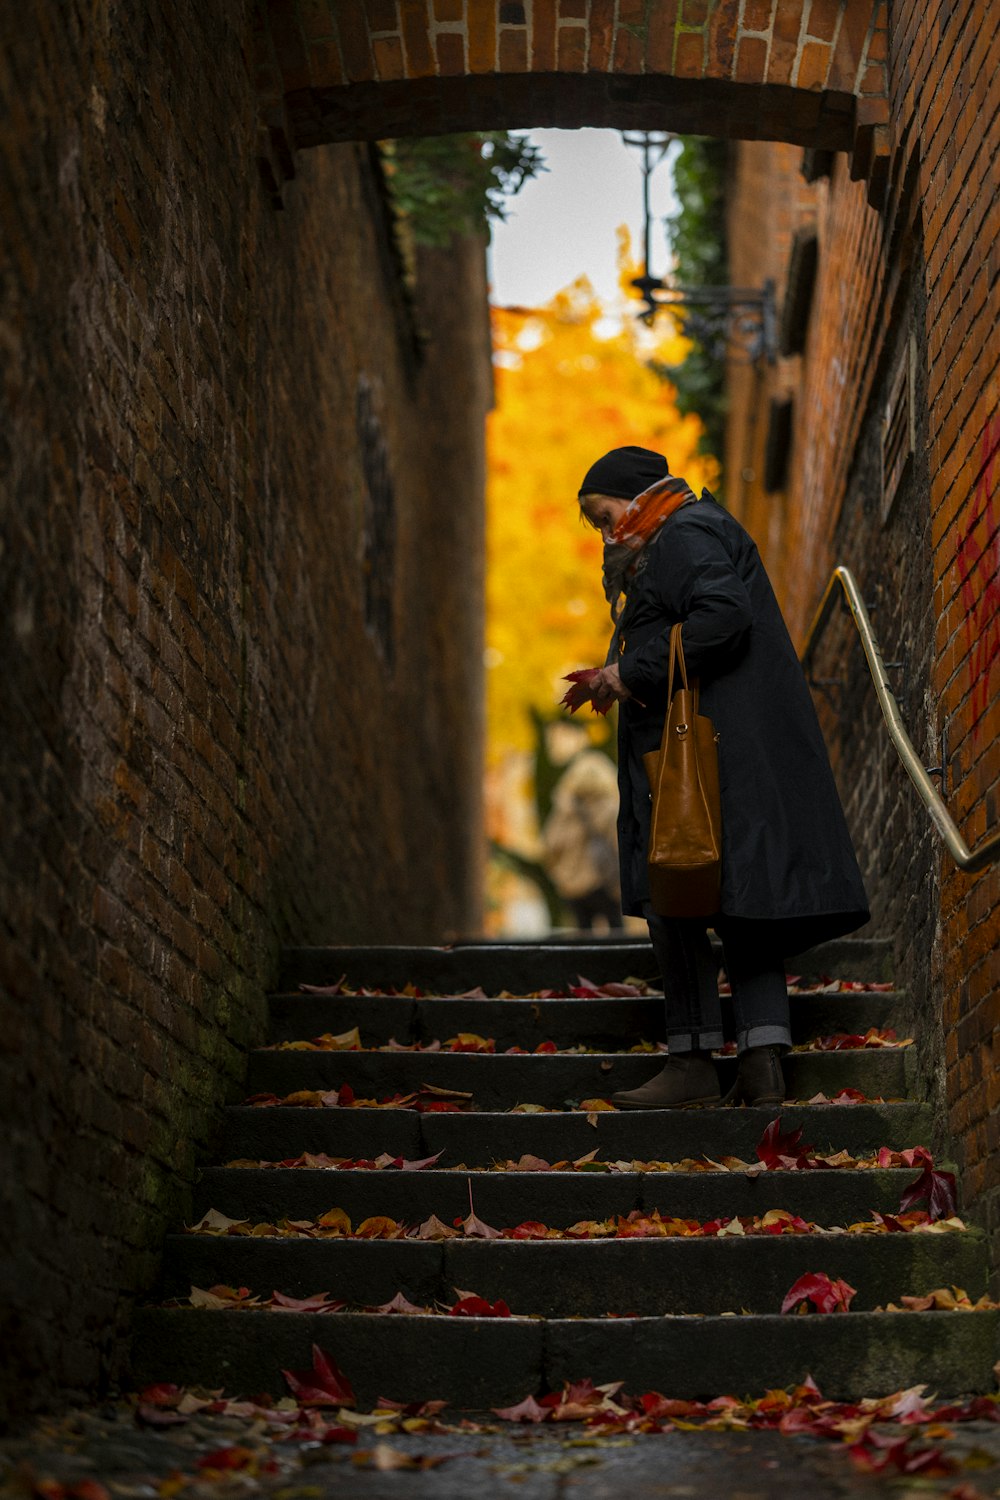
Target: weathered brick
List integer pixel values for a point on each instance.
(512, 53)
(602, 21)
(481, 23)
(723, 28)
(628, 51)
(660, 37)
(751, 59)
(543, 39)
(449, 47)
(416, 38)
(383, 15)
(690, 54)
(824, 19)
(389, 57)
(572, 49)
(813, 66)
(758, 15)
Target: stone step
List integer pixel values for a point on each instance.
(612, 1024)
(525, 967)
(281, 1133)
(500, 1081)
(475, 1364)
(568, 1278)
(554, 1198)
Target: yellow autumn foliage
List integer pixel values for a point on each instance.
(570, 384)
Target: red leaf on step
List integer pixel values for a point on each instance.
(318, 1302)
(471, 1306)
(530, 1230)
(234, 1458)
(158, 1416)
(410, 1408)
(418, 1166)
(399, 1304)
(527, 1410)
(816, 1287)
(655, 1405)
(874, 1454)
(777, 1150)
(324, 989)
(936, 1189)
(474, 1228)
(584, 989)
(164, 1394)
(434, 1229)
(917, 1156)
(323, 1385)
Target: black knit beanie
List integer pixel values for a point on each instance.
(624, 473)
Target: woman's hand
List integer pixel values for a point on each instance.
(608, 685)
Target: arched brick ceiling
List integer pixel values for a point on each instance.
(811, 72)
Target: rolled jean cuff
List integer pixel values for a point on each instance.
(693, 1041)
(763, 1036)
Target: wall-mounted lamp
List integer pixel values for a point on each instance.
(716, 317)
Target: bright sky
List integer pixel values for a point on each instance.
(562, 223)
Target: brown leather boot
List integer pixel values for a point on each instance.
(689, 1081)
(759, 1078)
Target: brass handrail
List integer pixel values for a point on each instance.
(968, 860)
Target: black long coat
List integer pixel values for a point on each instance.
(787, 858)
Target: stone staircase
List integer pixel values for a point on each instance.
(655, 1312)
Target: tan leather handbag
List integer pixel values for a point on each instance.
(685, 837)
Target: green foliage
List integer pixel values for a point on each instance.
(697, 235)
(448, 185)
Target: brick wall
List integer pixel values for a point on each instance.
(922, 262)
(945, 63)
(829, 510)
(240, 562)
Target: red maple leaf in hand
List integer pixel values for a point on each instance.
(580, 691)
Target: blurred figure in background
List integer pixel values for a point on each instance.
(580, 841)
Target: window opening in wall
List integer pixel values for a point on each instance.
(378, 523)
(777, 444)
(802, 263)
(899, 425)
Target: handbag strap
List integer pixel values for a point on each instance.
(677, 661)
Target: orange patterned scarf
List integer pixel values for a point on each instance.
(648, 511)
(632, 535)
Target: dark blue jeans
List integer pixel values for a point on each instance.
(756, 975)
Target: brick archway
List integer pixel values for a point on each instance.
(811, 72)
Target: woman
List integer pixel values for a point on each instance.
(789, 875)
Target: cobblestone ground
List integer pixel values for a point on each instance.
(107, 1454)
